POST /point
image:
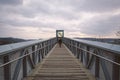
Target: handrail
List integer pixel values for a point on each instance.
(39, 48)
(101, 45)
(15, 46)
(24, 54)
(106, 46)
(101, 57)
(97, 55)
(19, 58)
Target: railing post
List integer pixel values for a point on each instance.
(24, 67)
(48, 46)
(72, 47)
(39, 52)
(97, 66)
(81, 54)
(78, 51)
(116, 68)
(87, 55)
(51, 44)
(33, 54)
(76, 47)
(7, 71)
(44, 49)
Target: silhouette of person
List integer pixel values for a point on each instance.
(59, 42)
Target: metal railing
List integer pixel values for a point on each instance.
(17, 60)
(102, 59)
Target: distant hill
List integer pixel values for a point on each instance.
(9, 40)
(106, 40)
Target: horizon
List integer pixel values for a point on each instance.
(34, 19)
(53, 37)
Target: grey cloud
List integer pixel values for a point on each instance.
(65, 10)
(89, 5)
(102, 5)
(101, 26)
(20, 23)
(94, 5)
(10, 2)
(44, 8)
(9, 31)
(36, 8)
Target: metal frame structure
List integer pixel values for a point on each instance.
(101, 59)
(17, 60)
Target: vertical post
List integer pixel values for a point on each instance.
(48, 46)
(87, 55)
(6, 68)
(51, 43)
(76, 48)
(42, 52)
(39, 52)
(116, 69)
(44, 48)
(39, 56)
(71, 45)
(78, 51)
(24, 67)
(33, 54)
(97, 66)
(81, 52)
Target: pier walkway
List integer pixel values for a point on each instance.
(77, 59)
(60, 64)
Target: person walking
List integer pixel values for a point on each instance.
(60, 42)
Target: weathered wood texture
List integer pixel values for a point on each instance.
(60, 64)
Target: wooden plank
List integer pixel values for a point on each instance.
(60, 64)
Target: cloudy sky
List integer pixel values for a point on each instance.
(33, 19)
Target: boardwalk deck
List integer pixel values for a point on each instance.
(60, 64)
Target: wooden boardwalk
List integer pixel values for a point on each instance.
(60, 64)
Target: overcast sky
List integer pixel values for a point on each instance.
(33, 19)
